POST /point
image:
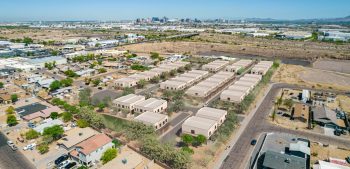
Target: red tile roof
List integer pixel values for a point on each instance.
(94, 143)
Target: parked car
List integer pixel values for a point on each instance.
(63, 164)
(31, 125)
(61, 159)
(253, 142)
(70, 165)
(29, 146)
(20, 139)
(337, 132)
(10, 143)
(14, 147)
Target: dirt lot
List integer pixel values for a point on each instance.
(235, 44)
(338, 66)
(316, 78)
(319, 152)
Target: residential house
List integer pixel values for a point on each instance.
(301, 112)
(197, 125)
(155, 120)
(90, 151)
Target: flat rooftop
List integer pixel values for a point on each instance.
(211, 113)
(151, 103)
(199, 122)
(150, 117)
(130, 98)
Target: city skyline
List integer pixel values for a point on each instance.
(40, 10)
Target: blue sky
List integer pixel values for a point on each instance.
(24, 10)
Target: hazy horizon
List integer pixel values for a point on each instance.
(103, 10)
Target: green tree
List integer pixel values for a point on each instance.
(109, 155)
(101, 106)
(54, 115)
(11, 120)
(82, 123)
(32, 134)
(27, 40)
(128, 90)
(96, 82)
(67, 116)
(155, 80)
(55, 132)
(289, 103)
(14, 98)
(154, 55)
(172, 73)
(10, 110)
(187, 149)
(187, 139)
(91, 117)
(199, 140)
(1, 85)
(54, 52)
(84, 97)
(66, 82)
(43, 148)
(188, 67)
(102, 70)
(55, 85)
(70, 73)
(141, 84)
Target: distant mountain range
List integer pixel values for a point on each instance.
(326, 20)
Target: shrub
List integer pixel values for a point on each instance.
(11, 120)
(67, 116)
(82, 123)
(109, 155)
(43, 148)
(54, 115)
(32, 134)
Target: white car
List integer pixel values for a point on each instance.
(29, 146)
(63, 164)
(9, 143)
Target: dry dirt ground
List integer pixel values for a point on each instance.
(309, 77)
(319, 152)
(235, 44)
(333, 65)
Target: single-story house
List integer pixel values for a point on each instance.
(156, 120)
(152, 104)
(47, 123)
(214, 114)
(128, 102)
(301, 112)
(198, 125)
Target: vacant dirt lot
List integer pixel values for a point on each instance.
(338, 66)
(319, 152)
(316, 78)
(235, 44)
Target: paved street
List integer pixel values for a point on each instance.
(241, 150)
(176, 124)
(10, 159)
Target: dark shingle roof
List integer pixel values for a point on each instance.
(276, 160)
(29, 109)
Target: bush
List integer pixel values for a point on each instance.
(109, 155)
(54, 115)
(10, 110)
(55, 132)
(82, 123)
(128, 90)
(43, 148)
(187, 149)
(32, 134)
(67, 116)
(11, 120)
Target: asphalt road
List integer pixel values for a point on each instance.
(240, 152)
(176, 124)
(10, 159)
